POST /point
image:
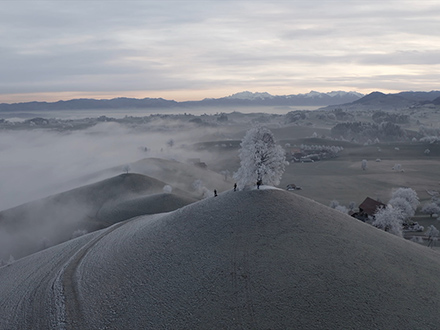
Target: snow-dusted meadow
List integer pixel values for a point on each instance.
(258, 258)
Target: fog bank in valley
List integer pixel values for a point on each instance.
(37, 163)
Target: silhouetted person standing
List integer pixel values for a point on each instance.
(258, 184)
(235, 187)
(215, 193)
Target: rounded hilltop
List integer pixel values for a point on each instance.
(253, 259)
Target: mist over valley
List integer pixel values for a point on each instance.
(72, 183)
(219, 165)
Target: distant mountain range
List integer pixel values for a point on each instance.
(239, 99)
(313, 98)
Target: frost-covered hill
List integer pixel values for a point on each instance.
(261, 259)
(33, 226)
(178, 174)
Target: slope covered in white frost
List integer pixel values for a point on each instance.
(30, 227)
(260, 259)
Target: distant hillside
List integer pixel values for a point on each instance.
(33, 226)
(381, 101)
(420, 96)
(436, 101)
(261, 259)
(77, 104)
(180, 175)
(239, 99)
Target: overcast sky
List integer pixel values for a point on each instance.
(52, 50)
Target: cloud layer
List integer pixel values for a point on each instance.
(193, 49)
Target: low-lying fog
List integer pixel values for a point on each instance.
(121, 113)
(36, 163)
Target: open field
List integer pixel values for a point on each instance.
(342, 178)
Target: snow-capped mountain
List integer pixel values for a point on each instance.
(343, 94)
(312, 98)
(246, 95)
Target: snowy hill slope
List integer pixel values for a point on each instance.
(33, 226)
(255, 259)
(117, 211)
(178, 174)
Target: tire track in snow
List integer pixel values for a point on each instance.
(240, 274)
(234, 278)
(247, 285)
(68, 314)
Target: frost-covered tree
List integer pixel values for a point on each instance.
(341, 208)
(167, 189)
(432, 234)
(389, 219)
(407, 210)
(351, 206)
(431, 208)
(409, 194)
(200, 188)
(364, 164)
(261, 159)
(334, 203)
(417, 239)
(427, 151)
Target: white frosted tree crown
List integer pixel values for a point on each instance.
(261, 159)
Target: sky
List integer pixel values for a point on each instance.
(190, 50)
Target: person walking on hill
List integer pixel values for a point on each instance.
(215, 193)
(235, 186)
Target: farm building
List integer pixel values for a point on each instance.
(367, 209)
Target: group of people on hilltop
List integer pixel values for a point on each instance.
(259, 183)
